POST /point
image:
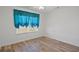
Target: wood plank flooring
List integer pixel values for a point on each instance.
(41, 44)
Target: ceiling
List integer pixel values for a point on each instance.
(36, 8)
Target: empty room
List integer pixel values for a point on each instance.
(39, 28)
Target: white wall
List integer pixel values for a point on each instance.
(7, 30)
(63, 25)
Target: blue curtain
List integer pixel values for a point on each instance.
(23, 18)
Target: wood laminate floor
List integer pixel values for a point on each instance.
(41, 44)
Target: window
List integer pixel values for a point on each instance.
(25, 21)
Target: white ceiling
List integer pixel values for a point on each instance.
(36, 8)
